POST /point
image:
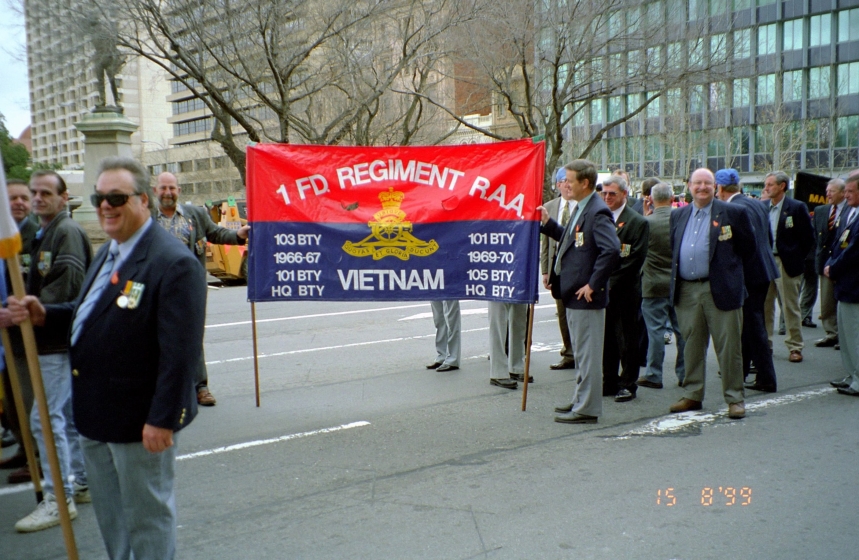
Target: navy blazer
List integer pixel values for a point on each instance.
(764, 268)
(824, 237)
(729, 257)
(633, 233)
(591, 263)
(794, 236)
(132, 367)
(844, 262)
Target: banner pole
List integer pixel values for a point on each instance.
(528, 355)
(44, 415)
(23, 417)
(256, 354)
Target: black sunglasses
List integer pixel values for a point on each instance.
(115, 200)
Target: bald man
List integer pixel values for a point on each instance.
(193, 227)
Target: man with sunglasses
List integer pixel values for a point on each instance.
(136, 334)
(193, 227)
(59, 257)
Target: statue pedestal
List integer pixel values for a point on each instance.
(107, 133)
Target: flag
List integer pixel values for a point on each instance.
(344, 223)
(10, 239)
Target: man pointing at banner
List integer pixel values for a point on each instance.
(588, 253)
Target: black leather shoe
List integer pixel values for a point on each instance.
(826, 342)
(564, 409)
(763, 388)
(624, 395)
(520, 377)
(782, 332)
(843, 384)
(808, 323)
(564, 364)
(434, 365)
(504, 383)
(446, 367)
(837, 347)
(644, 382)
(848, 391)
(753, 369)
(575, 418)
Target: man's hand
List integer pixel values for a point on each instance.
(546, 282)
(27, 308)
(544, 216)
(586, 292)
(242, 232)
(156, 440)
(826, 271)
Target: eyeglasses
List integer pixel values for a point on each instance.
(115, 200)
(610, 193)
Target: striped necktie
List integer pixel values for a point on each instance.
(565, 215)
(95, 290)
(832, 218)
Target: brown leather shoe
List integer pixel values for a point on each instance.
(685, 405)
(736, 410)
(564, 364)
(795, 356)
(205, 398)
(21, 475)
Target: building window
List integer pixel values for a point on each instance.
(742, 43)
(766, 89)
(597, 116)
(742, 96)
(718, 47)
(817, 134)
(718, 96)
(654, 15)
(696, 99)
(820, 30)
(847, 132)
(614, 149)
(818, 82)
(192, 127)
(766, 39)
(633, 63)
(719, 7)
(792, 87)
(655, 108)
(615, 108)
(847, 20)
(696, 52)
(674, 102)
(848, 78)
(697, 9)
(742, 4)
(792, 35)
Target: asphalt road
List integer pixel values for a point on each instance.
(359, 452)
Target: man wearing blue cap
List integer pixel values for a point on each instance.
(561, 209)
(758, 277)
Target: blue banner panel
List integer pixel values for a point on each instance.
(480, 259)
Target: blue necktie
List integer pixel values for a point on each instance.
(95, 290)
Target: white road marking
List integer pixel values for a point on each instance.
(678, 422)
(479, 311)
(259, 442)
(246, 445)
(317, 315)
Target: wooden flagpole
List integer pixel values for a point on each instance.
(44, 415)
(23, 415)
(256, 356)
(528, 355)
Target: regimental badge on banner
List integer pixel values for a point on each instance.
(845, 239)
(726, 233)
(44, 265)
(391, 234)
(625, 248)
(130, 296)
(788, 222)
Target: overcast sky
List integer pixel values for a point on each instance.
(14, 93)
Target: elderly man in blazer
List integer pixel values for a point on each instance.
(826, 218)
(588, 254)
(712, 244)
(193, 227)
(561, 209)
(136, 335)
(793, 235)
(841, 268)
(623, 332)
(758, 278)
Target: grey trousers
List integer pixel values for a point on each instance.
(700, 319)
(507, 321)
(448, 331)
(587, 331)
(828, 308)
(848, 321)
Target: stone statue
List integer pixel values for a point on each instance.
(107, 60)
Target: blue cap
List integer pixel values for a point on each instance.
(560, 175)
(727, 177)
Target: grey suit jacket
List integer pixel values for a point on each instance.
(204, 229)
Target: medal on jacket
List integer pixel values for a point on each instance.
(788, 222)
(624, 249)
(580, 236)
(130, 296)
(845, 239)
(44, 265)
(726, 233)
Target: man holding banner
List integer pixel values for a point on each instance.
(588, 254)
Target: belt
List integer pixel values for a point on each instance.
(697, 280)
